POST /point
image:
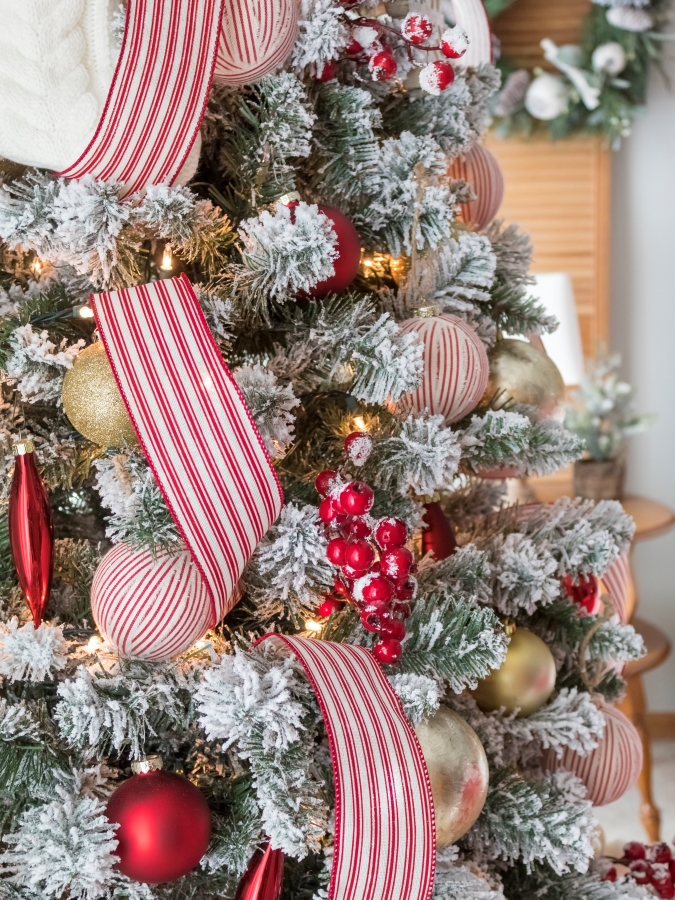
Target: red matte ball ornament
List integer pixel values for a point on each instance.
(349, 255)
(31, 534)
(357, 498)
(164, 824)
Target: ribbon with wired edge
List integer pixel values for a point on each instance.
(195, 429)
(158, 94)
(385, 840)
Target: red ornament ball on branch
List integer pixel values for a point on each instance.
(417, 28)
(456, 366)
(164, 824)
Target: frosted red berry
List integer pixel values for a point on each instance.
(356, 498)
(357, 528)
(358, 446)
(328, 510)
(359, 555)
(436, 76)
(393, 628)
(406, 589)
(417, 28)
(327, 71)
(401, 609)
(387, 651)
(396, 563)
(374, 616)
(610, 875)
(634, 850)
(382, 65)
(641, 871)
(454, 42)
(329, 606)
(659, 853)
(391, 533)
(340, 587)
(324, 481)
(353, 48)
(335, 551)
(352, 574)
(378, 589)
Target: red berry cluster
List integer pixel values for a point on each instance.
(376, 569)
(585, 593)
(651, 864)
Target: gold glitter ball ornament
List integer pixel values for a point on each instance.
(522, 373)
(458, 772)
(92, 400)
(525, 680)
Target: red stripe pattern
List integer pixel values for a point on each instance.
(616, 581)
(615, 764)
(150, 607)
(158, 94)
(194, 427)
(471, 15)
(456, 367)
(384, 818)
(481, 170)
(256, 36)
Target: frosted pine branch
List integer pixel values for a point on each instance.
(322, 34)
(29, 653)
(524, 574)
(467, 574)
(420, 696)
(37, 365)
(270, 404)
(423, 457)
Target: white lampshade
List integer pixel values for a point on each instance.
(554, 291)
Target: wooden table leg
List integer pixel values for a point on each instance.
(635, 706)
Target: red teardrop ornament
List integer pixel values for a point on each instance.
(264, 877)
(438, 536)
(31, 534)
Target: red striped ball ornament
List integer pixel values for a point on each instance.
(150, 607)
(256, 36)
(456, 366)
(481, 170)
(613, 767)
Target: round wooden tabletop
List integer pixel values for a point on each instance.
(652, 518)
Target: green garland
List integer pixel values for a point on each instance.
(620, 95)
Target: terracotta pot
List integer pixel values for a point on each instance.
(600, 479)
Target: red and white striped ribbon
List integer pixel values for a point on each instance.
(195, 429)
(616, 581)
(158, 94)
(384, 818)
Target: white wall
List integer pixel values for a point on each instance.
(643, 330)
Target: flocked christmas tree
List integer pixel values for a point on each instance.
(360, 341)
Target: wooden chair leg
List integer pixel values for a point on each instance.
(635, 707)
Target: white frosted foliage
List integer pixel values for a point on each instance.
(29, 653)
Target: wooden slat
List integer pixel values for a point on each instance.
(559, 194)
(521, 27)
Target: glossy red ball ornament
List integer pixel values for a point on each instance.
(359, 555)
(358, 528)
(393, 628)
(31, 535)
(335, 551)
(327, 71)
(387, 651)
(376, 589)
(329, 606)
(382, 65)
(324, 481)
(437, 537)
(397, 563)
(347, 247)
(164, 824)
(358, 446)
(437, 76)
(263, 879)
(328, 510)
(417, 28)
(391, 533)
(357, 498)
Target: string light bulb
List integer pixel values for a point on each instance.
(167, 259)
(313, 625)
(36, 267)
(85, 312)
(359, 423)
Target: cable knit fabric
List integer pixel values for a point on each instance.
(57, 59)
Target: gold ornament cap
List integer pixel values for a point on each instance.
(153, 763)
(427, 310)
(23, 447)
(290, 197)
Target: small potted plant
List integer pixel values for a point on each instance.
(602, 414)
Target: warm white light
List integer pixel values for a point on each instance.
(36, 266)
(367, 263)
(167, 259)
(554, 290)
(312, 625)
(86, 312)
(359, 423)
(94, 645)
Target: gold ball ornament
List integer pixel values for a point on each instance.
(92, 400)
(458, 772)
(522, 373)
(525, 680)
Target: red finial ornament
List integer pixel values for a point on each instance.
(263, 878)
(31, 534)
(438, 536)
